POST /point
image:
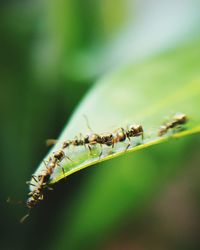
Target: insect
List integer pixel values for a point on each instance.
(132, 131)
(177, 120)
(120, 135)
(108, 139)
(88, 140)
(39, 182)
(37, 194)
(105, 139)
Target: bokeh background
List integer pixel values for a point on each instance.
(51, 53)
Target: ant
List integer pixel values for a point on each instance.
(178, 119)
(108, 139)
(41, 180)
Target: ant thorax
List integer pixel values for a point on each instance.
(59, 155)
(135, 130)
(92, 139)
(107, 139)
(179, 118)
(66, 144)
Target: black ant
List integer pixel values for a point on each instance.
(132, 131)
(37, 194)
(40, 181)
(178, 119)
(108, 139)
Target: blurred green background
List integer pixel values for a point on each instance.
(51, 53)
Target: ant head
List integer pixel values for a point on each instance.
(136, 129)
(66, 144)
(59, 154)
(180, 118)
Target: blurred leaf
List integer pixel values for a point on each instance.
(71, 32)
(81, 40)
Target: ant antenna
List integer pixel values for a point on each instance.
(11, 201)
(87, 122)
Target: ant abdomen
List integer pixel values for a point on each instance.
(30, 202)
(120, 135)
(91, 139)
(66, 144)
(135, 130)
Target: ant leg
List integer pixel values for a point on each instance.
(129, 144)
(101, 152)
(24, 217)
(63, 170)
(51, 142)
(142, 139)
(81, 136)
(31, 184)
(45, 164)
(82, 139)
(34, 177)
(68, 158)
(127, 147)
(90, 149)
(65, 156)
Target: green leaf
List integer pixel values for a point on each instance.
(147, 94)
(117, 193)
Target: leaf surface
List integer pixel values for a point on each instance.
(149, 93)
